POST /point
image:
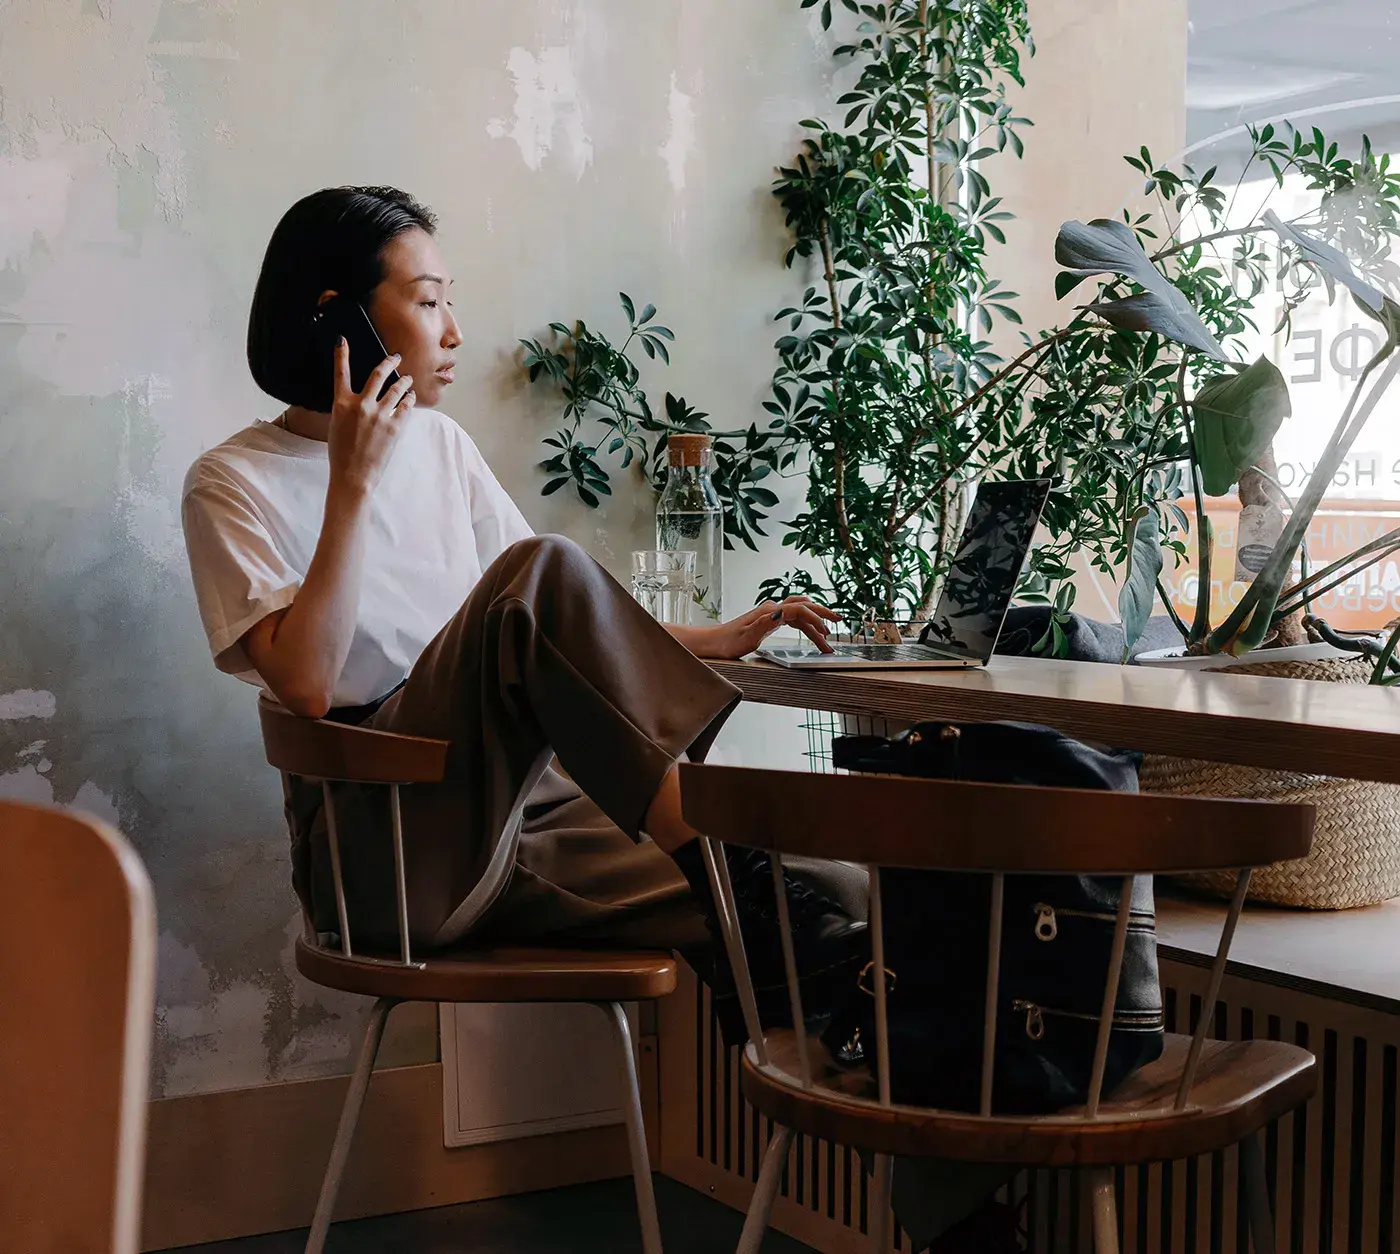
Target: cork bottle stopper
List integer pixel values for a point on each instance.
(687, 450)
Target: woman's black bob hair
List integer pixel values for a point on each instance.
(330, 240)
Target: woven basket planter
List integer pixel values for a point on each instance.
(1355, 858)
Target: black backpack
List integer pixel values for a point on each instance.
(1057, 936)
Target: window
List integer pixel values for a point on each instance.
(1329, 64)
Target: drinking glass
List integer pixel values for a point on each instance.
(663, 583)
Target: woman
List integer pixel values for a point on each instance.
(356, 557)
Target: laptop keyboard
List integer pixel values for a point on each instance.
(893, 652)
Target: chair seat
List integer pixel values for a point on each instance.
(1240, 1087)
(522, 974)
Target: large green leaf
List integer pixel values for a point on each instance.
(1104, 246)
(1237, 417)
(1335, 264)
(1140, 579)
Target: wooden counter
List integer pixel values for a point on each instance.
(1346, 730)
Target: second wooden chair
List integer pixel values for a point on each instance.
(1201, 1095)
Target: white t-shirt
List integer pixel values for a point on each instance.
(253, 508)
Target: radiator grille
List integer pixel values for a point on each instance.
(1331, 1165)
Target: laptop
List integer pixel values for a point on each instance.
(976, 594)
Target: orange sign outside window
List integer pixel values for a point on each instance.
(1367, 600)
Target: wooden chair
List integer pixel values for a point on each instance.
(77, 986)
(335, 752)
(1200, 1096)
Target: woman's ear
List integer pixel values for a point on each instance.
(328, 294)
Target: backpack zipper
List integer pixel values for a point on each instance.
(1133, 1021)
(1047, 926)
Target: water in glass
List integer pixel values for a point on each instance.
(663, 583)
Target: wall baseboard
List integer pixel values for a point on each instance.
(249, 1161)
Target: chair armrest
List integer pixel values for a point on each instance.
(339, 751)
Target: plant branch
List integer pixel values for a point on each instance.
(843, 524)
(1276, 569)
(1167, 605)
(1308, 590)
(1185, 245)
(1200, 626)
(947, 471)
(1389, 540)
(1379, 675)
(1133, 498)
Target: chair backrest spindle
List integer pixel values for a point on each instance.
(400, 880)
(1110, 995)
(804, 1061)
(989, 1017)
(333, 839)
(877, 982)
(717, 869)
(1217, 973)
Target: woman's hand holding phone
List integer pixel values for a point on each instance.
(365, 428)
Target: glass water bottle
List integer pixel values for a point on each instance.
(690, 517)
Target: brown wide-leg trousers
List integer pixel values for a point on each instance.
(548, 658)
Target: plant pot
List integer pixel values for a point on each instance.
(1355, 858)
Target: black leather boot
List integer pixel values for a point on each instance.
(830, 947)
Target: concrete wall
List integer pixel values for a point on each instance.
(571, 147)
(1108, 77)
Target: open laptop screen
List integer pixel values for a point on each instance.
(984, 571)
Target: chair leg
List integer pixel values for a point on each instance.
(881, 1217)
(349, 1117)
(761, 1205)
(636, 1130)
(1105, 1206)
(1256, 1190)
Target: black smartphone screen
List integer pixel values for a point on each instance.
(342, 316)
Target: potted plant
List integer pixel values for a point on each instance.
(888, 397)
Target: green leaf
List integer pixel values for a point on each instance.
(1236, 418)
(648, 313)
(1066, 281)
(553, 486)
(627, 307)
(1105, 246)
(1140, 578)
(1335, 264)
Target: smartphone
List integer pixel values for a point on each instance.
(342, 316)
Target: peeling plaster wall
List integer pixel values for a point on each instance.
(147, 147)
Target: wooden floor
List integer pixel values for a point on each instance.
(586, 1219)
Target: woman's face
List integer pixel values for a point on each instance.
(412, 312)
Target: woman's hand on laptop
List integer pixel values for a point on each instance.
(741, 636)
